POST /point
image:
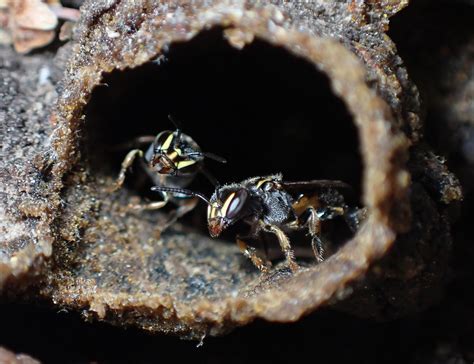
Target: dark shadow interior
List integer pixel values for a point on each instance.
(262, 108)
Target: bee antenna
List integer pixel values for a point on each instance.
(176, 124)
(210, 156)
(180, 191)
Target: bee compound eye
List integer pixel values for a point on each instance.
(236, 203)
(267, 186)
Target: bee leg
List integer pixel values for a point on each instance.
(127, 162)
(284, 244)
(185, 206)
(330, 212)
(314, 227)
(251, 253)
(318, 249)
(155, 205)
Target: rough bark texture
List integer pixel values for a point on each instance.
(61, 224)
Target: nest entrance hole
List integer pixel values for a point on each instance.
(262, 108)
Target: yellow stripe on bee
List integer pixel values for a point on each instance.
(167, 142)
(304, 202)
(227, 203)
(183, 164)
(262, 181)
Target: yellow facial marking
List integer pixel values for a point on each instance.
(210, 212)
(183, 164)
(172, 155)
(213, 211)
(227, 203)
(167, 142)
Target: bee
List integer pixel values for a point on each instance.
(172, 159)
(269, 204)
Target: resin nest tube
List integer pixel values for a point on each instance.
(313, 91)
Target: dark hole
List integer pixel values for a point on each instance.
(262, 108)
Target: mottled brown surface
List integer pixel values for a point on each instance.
(113, 265)
(27, 94)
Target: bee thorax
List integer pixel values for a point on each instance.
(278, 207)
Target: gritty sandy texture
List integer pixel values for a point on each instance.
(113, 266)
(26, 96)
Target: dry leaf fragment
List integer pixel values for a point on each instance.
(32, 23)
(33, 14)
(29, 39)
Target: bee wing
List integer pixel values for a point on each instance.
(315, 185)
(321, 186)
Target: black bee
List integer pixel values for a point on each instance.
(272, 205)
(172, 159)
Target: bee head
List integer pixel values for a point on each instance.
(225, 210)
(175, 154)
